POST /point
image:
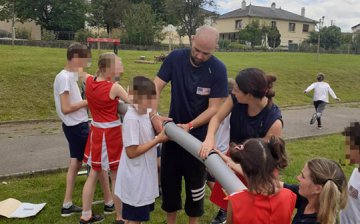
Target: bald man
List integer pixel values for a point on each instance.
(198, 88)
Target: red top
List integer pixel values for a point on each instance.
(262, 209)
(102, 107)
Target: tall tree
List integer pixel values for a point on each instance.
(53, 14)
(251, 33)
(6, 9)
(140, 24)
(330, 37)
(188, 15)
(107, 14)
(274, 37)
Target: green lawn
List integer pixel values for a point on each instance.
(50, 188)
(27, 74)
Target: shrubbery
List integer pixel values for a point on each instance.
(48, 35)
(22, 33)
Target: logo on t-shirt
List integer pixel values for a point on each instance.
(203, 91)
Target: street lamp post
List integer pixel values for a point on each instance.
(321, 22)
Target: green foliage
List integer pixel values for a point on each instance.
(274, 37)
(82, 35)
(224, 44)
(48, 35)
(330, 37)
(238, 46)
(356, 43)
(22, 33)
(188, 15)
(6, 11)
(107, 14)
(141, 25)
(251, 33)
(4, 33)
(53, 14)
(346, 38)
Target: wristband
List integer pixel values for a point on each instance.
(190, 125)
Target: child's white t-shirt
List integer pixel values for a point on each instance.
(351, 214)
(223, 135)
(67, 81)
(137, 178)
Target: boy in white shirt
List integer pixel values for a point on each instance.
(321, 97)
(138, 177)
(71, 109)
(351, 214)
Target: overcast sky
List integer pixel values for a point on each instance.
(343, 13)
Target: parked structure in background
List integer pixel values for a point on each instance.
(293, 28)
(355, 29)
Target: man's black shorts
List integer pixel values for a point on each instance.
(176, 163)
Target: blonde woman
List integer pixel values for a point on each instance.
(321, 193)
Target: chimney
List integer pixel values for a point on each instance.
(303, 11)
(243, 5)
(273, 6)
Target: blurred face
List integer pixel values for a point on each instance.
(307, 188)
(241, 97)
(201, 50)
(142, 102)
(115, 70)
(80, 62)
(352, 151)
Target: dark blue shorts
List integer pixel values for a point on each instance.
(139, 214)
(77, 137)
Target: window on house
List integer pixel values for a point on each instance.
(290, 42)
(305, 28)
(292, 27)
(238, 24)
(273, 24)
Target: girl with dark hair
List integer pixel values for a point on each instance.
(258, 161)
(321, 193)
(321, 97)
(253, 115)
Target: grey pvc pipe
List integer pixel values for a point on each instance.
(122, 107)
(215, 165)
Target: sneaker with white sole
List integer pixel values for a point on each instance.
(220, 217)
(94, 219)
(109, 209)
(313, 118)
(65, 212)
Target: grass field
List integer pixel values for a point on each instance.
(50, 188)
(27, 75)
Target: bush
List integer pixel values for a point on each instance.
(5, 34)
(22, 33)
(82, 35)
(224, 44)
(238, 46)
(48, 35)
